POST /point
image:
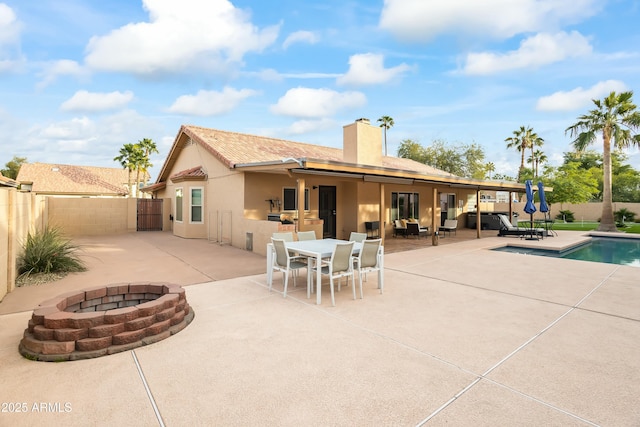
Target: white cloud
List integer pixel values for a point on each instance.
(184, 35)
(64, 67)
(368, 69)
(9, 26)
(10, 29)
(94, 102)
(306, 126)
(300, 37)
(316, 103)
(534, 52)
(84, 141)
(579, 97)
(210, 103)
(421, 20)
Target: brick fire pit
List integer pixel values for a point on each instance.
(105, 320)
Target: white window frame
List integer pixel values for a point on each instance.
(179, 205)
(201, 205)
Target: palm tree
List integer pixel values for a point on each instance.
(537, 158)
(148, 147)
(490, 168)
(386, 122)
(615, 118)
(126, 159)
(535, 141)
(521, 140)
(520, 143)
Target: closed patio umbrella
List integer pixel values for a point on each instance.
(529, 207)
(544, 207)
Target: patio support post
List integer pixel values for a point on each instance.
(435, 226)
(300, 207)
(478, 215)
(382, 227)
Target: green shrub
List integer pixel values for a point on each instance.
(565, 215)
(48, 252)
(624, 215)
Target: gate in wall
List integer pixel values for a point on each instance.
(149, 215)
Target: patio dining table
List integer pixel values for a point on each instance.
(317, 250)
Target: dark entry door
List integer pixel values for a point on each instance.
(327, 210)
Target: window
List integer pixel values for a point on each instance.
(196, 205)
(178, 204)
(290, 199)
(405, 205)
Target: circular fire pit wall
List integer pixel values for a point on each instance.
(105, 320)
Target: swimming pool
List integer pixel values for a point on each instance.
(600, 249)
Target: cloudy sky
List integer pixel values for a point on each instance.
(80, 78)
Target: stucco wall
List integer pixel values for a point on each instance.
(92, 216)
(16, 211)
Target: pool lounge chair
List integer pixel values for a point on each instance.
(508, 229)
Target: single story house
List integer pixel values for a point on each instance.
(73, 181)
(238, 189)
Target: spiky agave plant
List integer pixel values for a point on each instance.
(47, 252)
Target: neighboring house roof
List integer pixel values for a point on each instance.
(7, 182)
(260, 153)
(46, 178)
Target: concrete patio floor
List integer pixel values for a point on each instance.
(461, 336)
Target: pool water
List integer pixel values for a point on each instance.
(599, 249)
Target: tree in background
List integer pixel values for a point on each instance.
(410, 149)
(615, 118)
(571, 184)
(127, 159)
(135, 157)
(460, 159)
(537, 159)
(148, 147)
(490, 168)
(523, 139)
(12, 167)
(386, 122)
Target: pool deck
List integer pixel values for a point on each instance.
(461, 336)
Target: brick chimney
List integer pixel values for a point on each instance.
(362, 143)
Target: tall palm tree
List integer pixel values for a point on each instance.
(537, 158)
(148, 147)
(520, 143)
(386, 122)
(615, 118)
(534, 141)
(490, 168)
(523, 139)
(126, 159)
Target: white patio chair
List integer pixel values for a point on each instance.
(367, 261)
(306, 235)
(357, 237)
(285, 263)
(340, 265)
(287, 236)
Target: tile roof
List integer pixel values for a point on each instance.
(74, 180)
(233, 148)
(195, 173)
(7, 182)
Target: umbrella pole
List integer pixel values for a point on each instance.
(532, 232)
